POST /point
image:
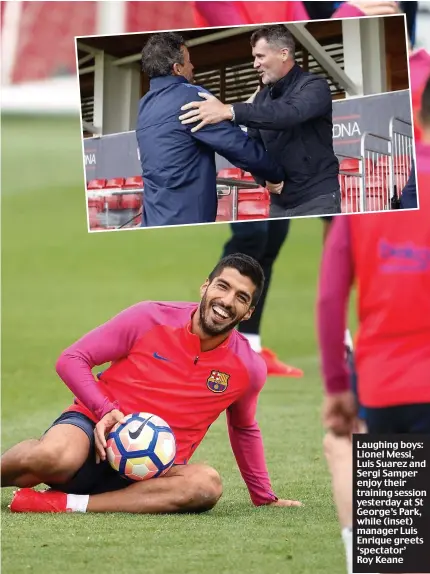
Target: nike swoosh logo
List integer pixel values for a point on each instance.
(157, 356)
(135, 434)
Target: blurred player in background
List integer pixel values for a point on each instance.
(410, 8)
(379, 252)
(262, 240)
(163, 356)
(239, 13)
(419, 65)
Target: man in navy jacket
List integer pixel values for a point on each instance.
(178, 166)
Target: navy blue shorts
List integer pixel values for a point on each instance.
(91, 478)
(402, 419)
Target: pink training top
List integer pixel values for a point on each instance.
(388, 254)
(345, 10)
(335, 282)
(210, 13)
(157, 366)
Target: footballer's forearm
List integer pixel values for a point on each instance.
(247, 445)
(76, 373)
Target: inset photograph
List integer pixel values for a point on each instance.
(246, 123)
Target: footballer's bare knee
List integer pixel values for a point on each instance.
(59, 454)
(209, 486)
(202, 488)
(328, 444)
(335, 446)
(183, 489)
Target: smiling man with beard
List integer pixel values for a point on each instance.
(184, 362)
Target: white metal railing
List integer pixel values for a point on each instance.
(377, 174)
(403, 152)
(352, 185)
(227, 186)
(382, 169)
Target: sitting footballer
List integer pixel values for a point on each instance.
(164, 358)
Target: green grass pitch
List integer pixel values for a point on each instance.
(58, 282)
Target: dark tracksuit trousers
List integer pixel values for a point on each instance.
(261, 240)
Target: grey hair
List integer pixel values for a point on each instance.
(277, 36)
(161, 53)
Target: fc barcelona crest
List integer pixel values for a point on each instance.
(218, 382)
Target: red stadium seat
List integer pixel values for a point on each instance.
(351, 204)
(231, 173)
(222, 218)
(95, 203)
(383, 161)
(114, 183)
(352, 165)
(132, 201)
(382, 172)
(400, 180)
(225, 209)
(376, 193)
(253, 210)
(93, 218)
(350, 193)
(134, 182)
(257, 194)
(349, 164)
(247, 176)
(376, 197)
(112, 202)
(402, 164)
(95, 184)
(402, 170)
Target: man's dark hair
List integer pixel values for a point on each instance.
(161, 52)
(277, 36)
(246, 266)
(425, 104)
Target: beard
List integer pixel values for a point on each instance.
(209, 327)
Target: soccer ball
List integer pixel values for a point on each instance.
(142, 448)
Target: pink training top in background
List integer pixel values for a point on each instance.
(388, 256)
(337, 271)
(244, 13)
